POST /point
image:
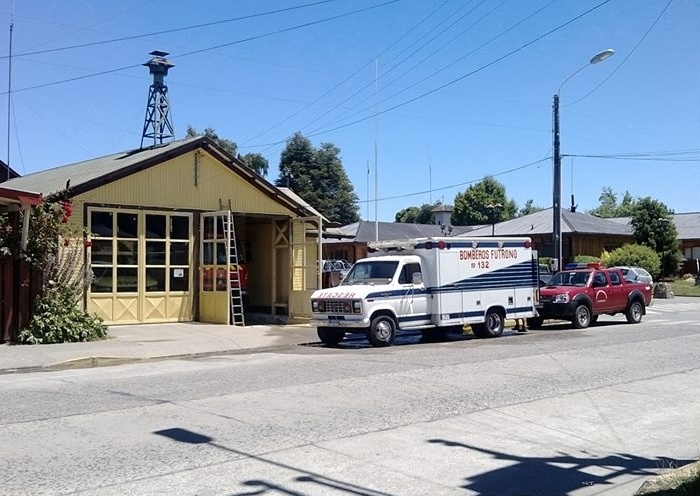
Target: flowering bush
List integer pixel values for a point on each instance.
(56, 248)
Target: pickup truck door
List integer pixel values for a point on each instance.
(603, 296)
(412, 305)
(619, 290)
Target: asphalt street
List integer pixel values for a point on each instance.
(551, 412)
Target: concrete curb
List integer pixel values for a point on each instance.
(666, 483)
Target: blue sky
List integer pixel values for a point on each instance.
(449, 91)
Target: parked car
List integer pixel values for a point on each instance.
(334, 271)
(636, 274)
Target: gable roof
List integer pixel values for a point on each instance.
(74, 179)
(687, 224)
(540, 223)
(365, 231)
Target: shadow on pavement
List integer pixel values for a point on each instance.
(558, 475)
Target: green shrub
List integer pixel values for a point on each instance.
(57, 319)
(586, 259)
(636, 256)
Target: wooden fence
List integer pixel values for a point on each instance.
(20, 286)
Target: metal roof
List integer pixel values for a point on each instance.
(365, 231)
(687, 224)
(52, 181)
(90, 174)
(540, 223)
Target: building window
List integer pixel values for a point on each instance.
(137, 251)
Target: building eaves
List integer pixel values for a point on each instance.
(74, 179)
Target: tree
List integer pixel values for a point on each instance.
(654, 227)
(529, 208)
(417, 215)
(229, 146)
(253, 161)
(318, 176)
(609, 207)
(256, 162)
(483, 203)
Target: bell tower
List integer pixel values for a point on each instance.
(157, 125)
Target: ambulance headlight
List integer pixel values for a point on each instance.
(561, 298)
(314, 305)
(356, 306)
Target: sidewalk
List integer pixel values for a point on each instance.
(129, 343)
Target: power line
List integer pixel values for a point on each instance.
(292, 28)
(465, 183)
(394, 66)
(174, 30)
(624, 59)
(363, 66)
(284, 30)
(450, 83)
(459, 59)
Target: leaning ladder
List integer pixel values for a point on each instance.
(236, 290)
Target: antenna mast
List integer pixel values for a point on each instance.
(9, 89)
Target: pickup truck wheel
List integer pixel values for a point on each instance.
(582, 317)
(634, 313)
(535, 322)
(492, 326)
(330, 336)
(382, 331)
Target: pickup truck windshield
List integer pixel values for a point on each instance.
(570, 278)
(379, 272)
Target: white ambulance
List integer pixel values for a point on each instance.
(432, 285)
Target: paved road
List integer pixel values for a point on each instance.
(552, 412)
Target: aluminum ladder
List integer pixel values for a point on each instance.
(236, 291)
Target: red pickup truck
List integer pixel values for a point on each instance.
(581, 295)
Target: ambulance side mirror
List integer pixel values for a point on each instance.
(417, 278)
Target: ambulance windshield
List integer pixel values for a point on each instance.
(371, 272)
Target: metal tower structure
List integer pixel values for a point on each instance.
(157, 124)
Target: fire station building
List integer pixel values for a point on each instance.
(156, 221)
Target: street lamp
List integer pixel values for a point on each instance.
(494, 209)
(556, 196)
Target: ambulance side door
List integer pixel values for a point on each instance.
(413, 304)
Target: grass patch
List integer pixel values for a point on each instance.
(684, 287)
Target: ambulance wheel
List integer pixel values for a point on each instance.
(492, 326)
(330, 336)
(382, 331)
(535, 322)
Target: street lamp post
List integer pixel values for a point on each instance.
(556, 152)
(494, 209)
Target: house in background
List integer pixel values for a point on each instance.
(156, 244)
(583, 234)
(688, 227)
(350, 242)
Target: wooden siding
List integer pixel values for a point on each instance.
(176, 184)
(594, 245)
